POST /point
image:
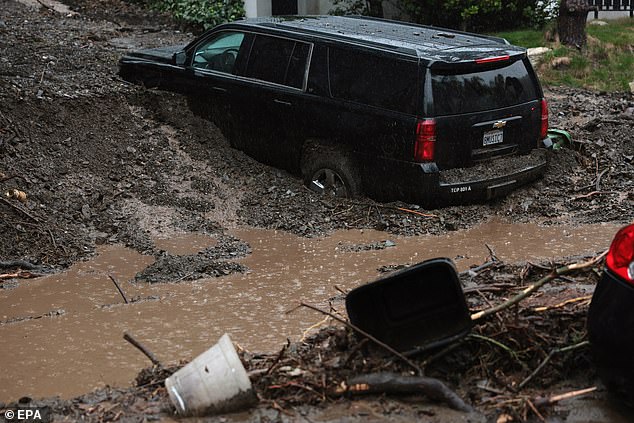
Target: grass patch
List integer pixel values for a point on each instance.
(606, 64)
(525, 38)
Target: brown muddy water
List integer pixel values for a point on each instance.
(62, 334)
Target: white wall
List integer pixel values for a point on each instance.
(314, 7)
(255, 8)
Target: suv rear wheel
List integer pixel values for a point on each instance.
(329, 171)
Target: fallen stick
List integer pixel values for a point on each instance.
(563, 303)
(24, 212)
(541, 401)
(22, 264)
(19, 275)
(481, 267)
(554, 274)
(367, 335)
(141, 348)
(590, 194)
(278, 358)
(547, 359)
(535, 410)
(392, 383)
(416, 212)
(119, 288)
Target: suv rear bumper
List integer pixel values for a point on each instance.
(474, 188)
(430, 187)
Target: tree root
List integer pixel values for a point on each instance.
(392, 383)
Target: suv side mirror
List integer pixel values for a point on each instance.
(179, 58)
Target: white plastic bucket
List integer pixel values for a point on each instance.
(214, 382)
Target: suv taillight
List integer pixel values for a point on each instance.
(425, 140)
(544, 128)
(620, 259)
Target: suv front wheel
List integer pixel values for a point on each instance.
(329, 171)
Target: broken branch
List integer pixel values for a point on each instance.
(547, 359)
(19, 275)
(118, 288)
(367, 335)
(24, 212)
(141, 348)
(20, 264)
(541, 401)
(554, 274)
(415, 212)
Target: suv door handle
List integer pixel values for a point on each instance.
(219, 89)
(282, 102)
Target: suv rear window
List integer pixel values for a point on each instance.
(489, 89)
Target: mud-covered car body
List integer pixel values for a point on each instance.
(358, 105)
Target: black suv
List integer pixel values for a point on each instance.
(365, 106)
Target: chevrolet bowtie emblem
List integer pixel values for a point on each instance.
(499, 124)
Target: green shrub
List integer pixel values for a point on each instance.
(471, 15)
(202, 13)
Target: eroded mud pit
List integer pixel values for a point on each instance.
(62, 334)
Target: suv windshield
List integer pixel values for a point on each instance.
(489, 89)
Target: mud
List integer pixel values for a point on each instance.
(106, 164)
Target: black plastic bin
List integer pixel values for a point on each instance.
(414, 309)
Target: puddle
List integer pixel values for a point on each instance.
(82, 348)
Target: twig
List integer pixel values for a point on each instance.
(443, 352)
(5, 178)
(416, 212)
(554, 274)
(119, 288)
(481, 267)
(590, 194)
(367, 335)
(393, 383)
(22, 264)
(24, 212)
(46, 5)
(52, 238)
(494, 258)
(563, 303)
(541, 402)
(354, 350)
(535, 410)
(493, 288)
(20, 275)
(141, 348)
(599, 178)
(278, 358)
(547, 359)
(279, 408)
(499, 345)
(341, 290)
(315, 326)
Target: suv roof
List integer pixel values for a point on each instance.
(425, 42)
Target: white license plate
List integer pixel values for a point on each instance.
(493, 137)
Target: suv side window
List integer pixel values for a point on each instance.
(374, 80)
(278, 60)
(219, 53)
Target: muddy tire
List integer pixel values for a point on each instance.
(330, 171)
